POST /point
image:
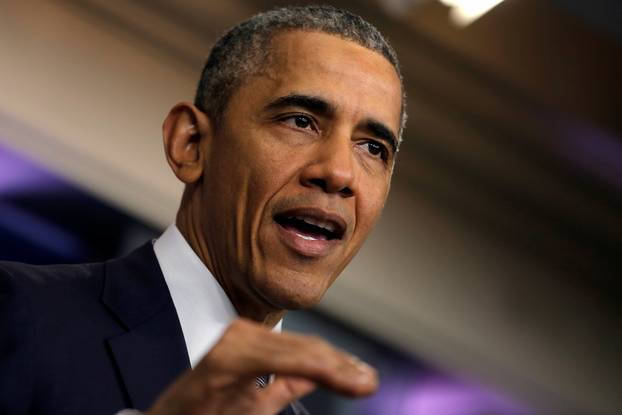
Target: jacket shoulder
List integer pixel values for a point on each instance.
(46, 275)
(50, 289)
(33, 299)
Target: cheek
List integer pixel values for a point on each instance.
(245, 170)
(265, 177)
(368, 208)
(272, 167)
(269, 171)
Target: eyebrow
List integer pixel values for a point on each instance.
(322, 107)
(381, 131)
(312, 103)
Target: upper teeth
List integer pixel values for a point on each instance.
(329, 226)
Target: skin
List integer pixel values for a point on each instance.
(223, 382)
(272, 154)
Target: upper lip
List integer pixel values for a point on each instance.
(333, 222)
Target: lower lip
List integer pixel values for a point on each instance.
(305, 246)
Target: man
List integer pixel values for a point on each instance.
(287, 156)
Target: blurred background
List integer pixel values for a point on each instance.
(491, 284)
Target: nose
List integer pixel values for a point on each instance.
(332, 167)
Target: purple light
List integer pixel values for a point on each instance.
(40, 232)
(18, 174)
(439, 395)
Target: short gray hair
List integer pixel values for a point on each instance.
(244, 50)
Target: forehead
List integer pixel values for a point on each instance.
(356, 80)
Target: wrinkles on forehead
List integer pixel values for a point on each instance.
(366, 69)
(268, 58)
(357, 82)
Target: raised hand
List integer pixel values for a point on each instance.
(224, 381)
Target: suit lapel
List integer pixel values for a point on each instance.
(152, 352)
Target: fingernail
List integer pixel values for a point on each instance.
(363, 377)
(364, 367)
(366, 373)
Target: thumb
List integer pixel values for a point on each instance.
(284, 390)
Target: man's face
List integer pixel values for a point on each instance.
(299, 170)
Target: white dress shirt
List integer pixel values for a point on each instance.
(203, 308)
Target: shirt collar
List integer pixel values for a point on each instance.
(203, 308)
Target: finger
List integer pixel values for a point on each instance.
(282, 392)
(247, 349)
(316, 360)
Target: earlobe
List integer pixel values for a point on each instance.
(186, 132)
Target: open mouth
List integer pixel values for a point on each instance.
(311, 224)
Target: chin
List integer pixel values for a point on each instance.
(294, 292)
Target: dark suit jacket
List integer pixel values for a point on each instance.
(88, 338)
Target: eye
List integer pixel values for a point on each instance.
(299, 121)
(302, 121)
(376, 149)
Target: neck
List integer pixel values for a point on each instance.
(248, 306)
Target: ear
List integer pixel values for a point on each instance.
(186, 132)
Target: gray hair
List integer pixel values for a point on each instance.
(244, 50)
